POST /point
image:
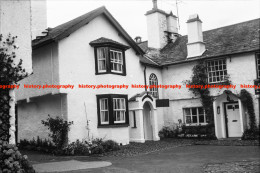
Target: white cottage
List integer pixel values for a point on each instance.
(94, 49)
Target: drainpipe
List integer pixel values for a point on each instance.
(145, 78)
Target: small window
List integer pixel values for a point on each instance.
(132, 119)
(258, 65)
(112, 109)
(116, 59)
(217, 71)
(194, 116)
(153, 81)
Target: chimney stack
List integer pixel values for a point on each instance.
(195, 45)
(161, 27)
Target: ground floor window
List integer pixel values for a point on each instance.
(194, 115)
(112, 109)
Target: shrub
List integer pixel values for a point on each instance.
(11, 159)
(205, 131)
(168, 132)
(251, 134)
(59, 129)
(37, 145)
(95, 146)
(110, 145)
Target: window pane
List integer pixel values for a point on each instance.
(188, 119)
(201, 111)
(194, 119)
(201, 119)
(194, 111)
(101, 59)
(187, 111)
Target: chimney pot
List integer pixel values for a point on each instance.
(155, 5)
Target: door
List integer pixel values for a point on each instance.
(148, 130)
(233, 120)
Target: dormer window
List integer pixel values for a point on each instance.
(109, 56)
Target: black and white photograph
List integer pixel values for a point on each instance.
(129, 86)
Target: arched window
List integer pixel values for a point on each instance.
(153, 81)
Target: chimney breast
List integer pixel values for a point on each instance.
(195, 45)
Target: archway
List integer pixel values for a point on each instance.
(147, 121)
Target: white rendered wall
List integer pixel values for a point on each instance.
(78, 67)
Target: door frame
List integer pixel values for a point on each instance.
(145, 117)
(225, 113)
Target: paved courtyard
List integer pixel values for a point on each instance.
(186, 159)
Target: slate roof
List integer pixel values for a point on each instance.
(103, 40)
(228, 40)
(64, 30)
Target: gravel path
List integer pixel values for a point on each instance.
(234, 167)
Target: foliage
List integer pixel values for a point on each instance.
(253, 132)
(205, 131)
(11, 72)
(248, 103)
(11, 159)
(199, 131)
(168, 132)
(59, 129)
(37, 145)
(199, 77)
(95, 146)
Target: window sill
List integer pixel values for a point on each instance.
(102, 73)
(201, 124)
(112, 126)
(219, 83)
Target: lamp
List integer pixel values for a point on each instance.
(218, 110)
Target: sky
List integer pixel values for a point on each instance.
(130, 13)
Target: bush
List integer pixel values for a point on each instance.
(251, 134)
(205, 131)
(37, 145)
(110, 145)
(168, 132)
(11, 159)
(59, 129)
(95, 146)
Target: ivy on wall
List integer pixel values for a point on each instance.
(199, 77)
(247, 102)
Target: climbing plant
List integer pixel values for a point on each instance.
(252, 132)
(199, 77)
(11, 72)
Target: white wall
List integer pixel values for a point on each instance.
(15, 18)
(241, 68)
(45, 71)
(31, 114)
(77, 66)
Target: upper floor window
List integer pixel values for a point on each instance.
(109, 56)
(112, 109)
(194, 116)
(258, 65)
(217, 71)
(153, 81)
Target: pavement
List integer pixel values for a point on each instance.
(70, 165)
(186, 159)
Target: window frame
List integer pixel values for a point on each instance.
(257, 56)
(152, 90)
(111, 121)
(108, 60)
(197, 114)
(224, 75)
